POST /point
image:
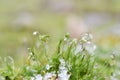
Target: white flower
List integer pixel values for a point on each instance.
(48, 76)
(63, 71)
(65, 39)
(74, 40)
(113, 77)
(48, 67)
(2, 78)
(32, 78)
(90, 47)
(62, 62)
(37, 77)
(78, 48)
(63, 74)
(86, 37)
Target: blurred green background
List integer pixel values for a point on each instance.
(20, 18)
